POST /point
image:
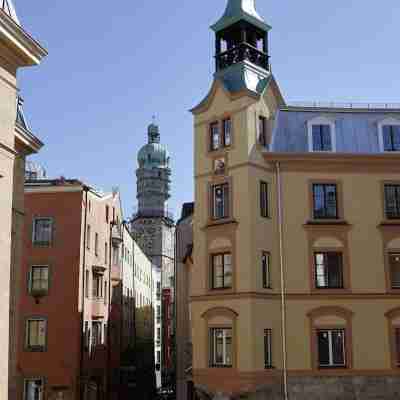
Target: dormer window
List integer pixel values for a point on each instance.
(321, 135)
(391, 137)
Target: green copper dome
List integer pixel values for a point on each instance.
(154, 154)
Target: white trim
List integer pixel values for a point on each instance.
(386, 122)
(321, 121)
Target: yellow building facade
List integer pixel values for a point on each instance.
(295, 287)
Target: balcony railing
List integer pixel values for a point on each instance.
(344, 105)
(242, 52)
(153, 213)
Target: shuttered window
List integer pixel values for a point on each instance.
(328, 270)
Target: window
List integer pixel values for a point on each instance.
(158, 357)
(331, 348)
(268, 348)
(87, 284)
(264, 199)
(397, 345)
(392, 201)
(220, 201)
(321, 138)
(97, 285)
(215, 136)
(227, 130)
(88, 237)
(391, 137)
(42, 231)
(394, 264)
(221, 347)
(96, 244)
(328, 270)
(36, 334)
(265, 259)
(39, 279)
(87, 335)
(158, 336)
(107, 214)
(262, 131)
(158, 315)
(105, 293)
(106, 253)
(33, 389)
(158, 293)
(325, 201)
(96, 335)
(222, 271)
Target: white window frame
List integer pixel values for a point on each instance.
(381, 124)
(224, 363)
(321, 121)
(26, 380)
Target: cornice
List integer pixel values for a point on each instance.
(27, 139)
(29, 51)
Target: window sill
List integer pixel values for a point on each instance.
(329, 222)
(219, 152)
(328, 291)
(41, 244)
(389, 222)
(39, 293)
(331, 367)
(218, 222)
(35, 349)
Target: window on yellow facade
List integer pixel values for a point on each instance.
(220, 201)
(268, 348)
(394, 263)
(214, 136)
(264, 206)
(221, 271)
(392, 201)
(262, 131)
(331, 348)
(221, 347)
(325, 201)
(227, 132)
(328, 270)
(397, 345)
(266, 273)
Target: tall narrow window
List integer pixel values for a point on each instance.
(265, 260)
(391, 137)
(107, 214)
(33, 389)
(96, 244)
(262, 131)
(105, 253)
(397, 344)
(264, 199)
(331, 348)
(221, 347)
(115, 252)
(214, 136)
(42, 231)
(329, 270)
(96, 333)
(222, 271)
(392, 201)
(88, 238)
(325, 201)
(105, 293)
(394, 263)
(87, 335)
(321, 138)
(227, 132)
(268, 348)
(87, 284)
(220, 201)
(39, 279)
(97, 286)
(36, 334)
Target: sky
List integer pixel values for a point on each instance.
(113, 64)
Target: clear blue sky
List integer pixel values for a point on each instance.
(113, 64)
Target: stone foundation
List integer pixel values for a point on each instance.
(321, 388)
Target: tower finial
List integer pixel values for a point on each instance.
(153, 131)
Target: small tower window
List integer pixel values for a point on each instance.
(215, 136)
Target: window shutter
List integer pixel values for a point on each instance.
(335, 270)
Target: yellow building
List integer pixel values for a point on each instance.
(295, 287)
(17, 49)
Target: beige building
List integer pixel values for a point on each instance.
(17, 49)
(295, 287)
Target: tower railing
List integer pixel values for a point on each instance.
(153, 213)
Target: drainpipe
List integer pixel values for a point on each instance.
(108, 369)
(283, 289)
(81, 390)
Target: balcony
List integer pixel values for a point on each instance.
(98, 308)
(242, 52)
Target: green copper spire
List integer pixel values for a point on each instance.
(237, 10)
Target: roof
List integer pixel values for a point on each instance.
(8, 7)
(237, 10)
(356, 129)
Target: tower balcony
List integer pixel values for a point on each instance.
(153, 213)
(242, 52)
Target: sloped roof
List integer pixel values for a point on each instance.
(356, 131)
(237, 10)
(8, 7)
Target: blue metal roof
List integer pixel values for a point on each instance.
(356, 130)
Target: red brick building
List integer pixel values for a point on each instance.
(69, 346)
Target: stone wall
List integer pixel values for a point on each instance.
(321, 388)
